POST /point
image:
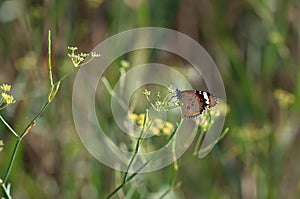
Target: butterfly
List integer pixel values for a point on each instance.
(194, 102)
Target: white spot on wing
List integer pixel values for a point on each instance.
(206, 97)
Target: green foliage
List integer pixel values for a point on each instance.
(255, 44)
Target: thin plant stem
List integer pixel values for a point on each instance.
(9, 127)
(5, 191)
(174, 132)
(12, 160)
(41, 111)
(127, 179)
(112, 93)
(65, 75)
(148, 127)
(172, 185)
(216, 141)
(29, 126)
(202, 132)
(7, 173)
(49, 59)
(137, 147)
(174, 154)
(52, 92)
(165, 193)
(223, 135)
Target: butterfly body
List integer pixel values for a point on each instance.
(194, 102)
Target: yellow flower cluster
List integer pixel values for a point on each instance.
(284, 98)
(5, 87)
(157, 126)
(77, 59)
(5, 98)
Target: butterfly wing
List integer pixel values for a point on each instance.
(194, 102)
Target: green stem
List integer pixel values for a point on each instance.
(137, 147)
(148, 128)
(223, 135)
(19, 141)
(9, 127)
(3, 107)
(12, 160)
(174, 132)
(49, 59)
(198, 141)
(36, 116)
(127, 180)
(172, 185)
(5, 191)
(66, 75)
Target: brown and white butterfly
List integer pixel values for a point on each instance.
(194, 102)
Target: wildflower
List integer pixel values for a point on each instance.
(133, 116)
(168, 128)
(5, 87)
(8, 99)
(5, 99)
(155, 127)
(147, 93)
(77, 59)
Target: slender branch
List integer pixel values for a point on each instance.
(26, 130)
(35, 117)
(202, 132)
(5, 191)
(66, 75)
(137, 146)
(127, 179)
(223, 135)
(12, 160)
(9, 127)
(49, 59)
(174, 132)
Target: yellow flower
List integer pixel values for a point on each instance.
(5, 87)
(157, 127)
(155, 131)
(168, 128)
(141, 118)
(8, 98)
(133, 116)
(159, 123)
(169, 125)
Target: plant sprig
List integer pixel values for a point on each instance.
(7, 99)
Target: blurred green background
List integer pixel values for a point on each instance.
(255, 44)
